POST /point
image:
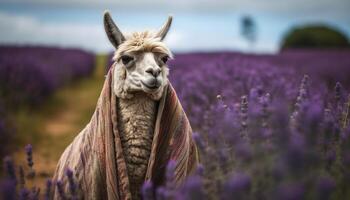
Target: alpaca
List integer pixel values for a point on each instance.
(141, 76)
(138, 125)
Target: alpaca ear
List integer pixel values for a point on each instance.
(115, 36)
(165, 28)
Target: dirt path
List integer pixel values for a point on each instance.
(57, 122)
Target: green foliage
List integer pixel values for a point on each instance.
(314, 36)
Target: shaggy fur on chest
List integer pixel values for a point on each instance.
(136, 120)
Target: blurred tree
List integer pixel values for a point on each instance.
(314, 36)
(248, 29)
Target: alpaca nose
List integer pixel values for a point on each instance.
(153, 71)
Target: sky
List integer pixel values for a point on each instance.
(199, 25)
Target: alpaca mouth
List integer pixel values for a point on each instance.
(154, 86)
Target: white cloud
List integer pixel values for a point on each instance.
(29, 30)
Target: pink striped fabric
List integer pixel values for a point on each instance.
(96, 155)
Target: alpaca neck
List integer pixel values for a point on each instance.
(136, 121)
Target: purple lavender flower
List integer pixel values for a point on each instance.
(29, 152)
(244, 113)
(197, 138)
(200, 170)
(254, 93)
(8, 189)
(302, 95)
(48, 190)
(10, 168)
(338, 92)
(60, 190)
(264, 101)
(329, 127)
(24, 194)
(192, 189)
(346, 113)
(310, 120)
(170, 173)
(35, 192)
(147, 190)
(162, 193)
(237, 186)
(71, 183)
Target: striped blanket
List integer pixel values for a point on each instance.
(96, 155)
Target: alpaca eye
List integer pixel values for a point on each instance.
(165, 59)
(126, 59)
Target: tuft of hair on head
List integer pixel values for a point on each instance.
(142, 42)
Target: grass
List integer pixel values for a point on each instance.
(53, 126)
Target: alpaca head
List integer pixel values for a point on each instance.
(139, 60)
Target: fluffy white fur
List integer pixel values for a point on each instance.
(137, 44)
(137, 104)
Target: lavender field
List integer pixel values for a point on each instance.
(29, 75)
(267, 126)
(199, 77)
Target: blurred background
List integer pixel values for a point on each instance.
(199, 25)
(54, 55)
